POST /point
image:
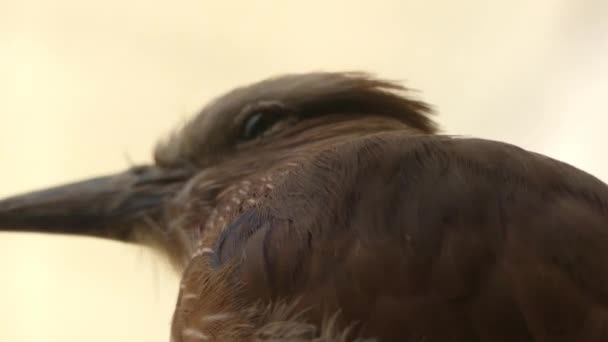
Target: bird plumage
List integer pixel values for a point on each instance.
(326, 207)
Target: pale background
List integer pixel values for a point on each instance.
(87, 85)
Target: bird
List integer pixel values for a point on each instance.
(329, 206)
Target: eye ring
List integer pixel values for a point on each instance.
(261, 118)
(257, 124)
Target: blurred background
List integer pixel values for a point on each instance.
(88, 87)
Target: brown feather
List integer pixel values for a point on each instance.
(351, 219)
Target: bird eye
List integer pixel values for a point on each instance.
(258, 123)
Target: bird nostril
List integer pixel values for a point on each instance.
(146, 175)
(139, 170)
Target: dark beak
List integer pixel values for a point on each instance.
(104, 206)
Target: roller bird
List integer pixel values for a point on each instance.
(329, 206)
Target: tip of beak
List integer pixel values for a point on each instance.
(97, 206)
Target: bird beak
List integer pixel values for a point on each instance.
(103, 206)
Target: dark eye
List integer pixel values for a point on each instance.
(257, 124)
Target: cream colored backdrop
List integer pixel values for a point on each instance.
(86, 86)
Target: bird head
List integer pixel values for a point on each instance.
(224, 160)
